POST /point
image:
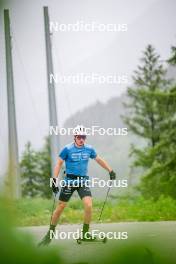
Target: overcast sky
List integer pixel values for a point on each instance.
(149, 21)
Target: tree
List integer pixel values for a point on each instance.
(36, 171)
(150, 116)
(164, 169)
(45, 170)
(172, 59)
(29, 171)
(144, 115)
(161, 176)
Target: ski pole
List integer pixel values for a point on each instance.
(104, 203)
(43, 241)
(53, 207)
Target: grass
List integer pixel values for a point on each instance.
(37, 211)
(18, 247)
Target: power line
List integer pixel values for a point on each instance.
(59, 66)
(28, 86)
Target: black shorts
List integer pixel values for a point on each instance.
(66, 192)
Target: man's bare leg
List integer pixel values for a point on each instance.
(57, 212)
(55, 217)
(87, 202)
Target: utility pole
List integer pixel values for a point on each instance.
(54, 139)
(13, 179)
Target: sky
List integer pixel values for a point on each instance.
(105, 53)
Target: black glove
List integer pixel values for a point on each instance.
(112, 175)
(54, 188)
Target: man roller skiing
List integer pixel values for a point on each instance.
(76, 156)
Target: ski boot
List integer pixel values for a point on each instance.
(47, 238)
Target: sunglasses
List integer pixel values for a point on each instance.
(81, 137)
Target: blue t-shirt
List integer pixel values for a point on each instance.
(76, 159)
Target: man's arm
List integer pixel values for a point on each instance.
(103, 163)
(58, 167)
(106, 166)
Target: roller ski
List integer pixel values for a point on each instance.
(89, 239)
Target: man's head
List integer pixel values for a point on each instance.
(79, 135)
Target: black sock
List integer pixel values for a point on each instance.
(52, 227)
(85, 229)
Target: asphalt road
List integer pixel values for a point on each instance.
(158, 235)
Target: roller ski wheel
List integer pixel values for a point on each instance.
(88, 240)
(92, 240)
(104, 240)
(78, 241)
